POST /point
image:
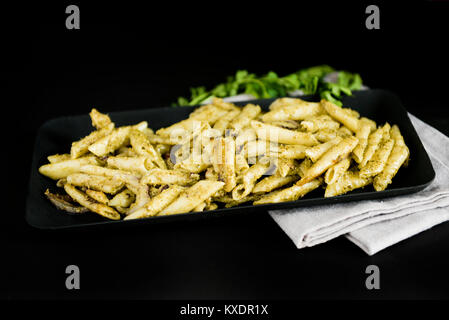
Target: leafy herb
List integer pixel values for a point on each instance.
(310, 81)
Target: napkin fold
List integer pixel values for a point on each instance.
(376, 224)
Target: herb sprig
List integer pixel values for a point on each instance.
(310, 81)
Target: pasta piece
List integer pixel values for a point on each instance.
(291, 151)
(348, 182)
(58, 157)
(164, 176)
(219, 102)
(144, 148)
(374, 140)
(123, 199)
(63, 202)
(245, 135)
(322, 122)
(111, 142)
(84, 200)
(396, 135)
(158, 203)
(126, 152)
(147, 131)
(97, 196)
(286, 124)
(95, 182)
(208, 113)
(177, 129)
(284, 167)
(192, 165)
(378, 161)
(344, 132)
(136, 165)
(273, 182)
(200, 207)
(292, 193)
(259, 148)
(296, 109)
(362, 134)
(303, 167)
(249, 112)
(224, 162)
(332, 156)
(336, 171)
(142, 195)
(198, 158)
(192, 197)
(223, 123)
(249, 178)
(398, 156)
(336, 112)
(196, 162)
(120, 175)
(314, 153)
(285, 102)
(201, 132)
(141, 126)
(240, 164)
(370, 122)
(62, 169)
(206, 145)
(325, 135)
(351, 112)
(280, 135)
(180, 153)
(81, 147)
(168, 140)
(99, 120)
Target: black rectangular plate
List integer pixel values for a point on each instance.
(56, 135)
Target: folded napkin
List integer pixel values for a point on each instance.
(376, 224)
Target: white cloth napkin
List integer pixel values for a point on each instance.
(376, 224)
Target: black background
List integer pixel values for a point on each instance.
(131, 56)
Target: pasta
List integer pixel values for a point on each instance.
(362, 134)
(397, 158)
(249, 177)
(292, 109)
(192, 197)
(223, 155)
(334, 173)
(87, 202)
(330, 157)
(340, 115)
(316, 152)
(349, 181)
(323, 122)
(249, 112)
(374, 140)
(281, 135)
(379, 160)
